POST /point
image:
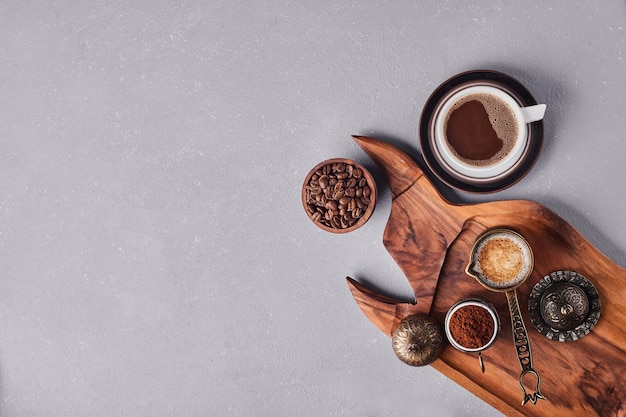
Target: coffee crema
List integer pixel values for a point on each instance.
(503, 260)
(481, 129)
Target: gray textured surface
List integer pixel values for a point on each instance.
(154, 256)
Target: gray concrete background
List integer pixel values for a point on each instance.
(155, 259)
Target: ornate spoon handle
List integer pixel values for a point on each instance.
(522, 346)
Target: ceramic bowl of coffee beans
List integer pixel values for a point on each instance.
(339, 195)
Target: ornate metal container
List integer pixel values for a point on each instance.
(564, 306)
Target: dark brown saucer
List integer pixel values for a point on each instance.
(509, 178)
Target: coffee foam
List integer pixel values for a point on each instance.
(503, 260)
(503, 121)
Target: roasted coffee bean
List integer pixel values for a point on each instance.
(337, 195)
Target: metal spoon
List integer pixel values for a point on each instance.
(495, 281)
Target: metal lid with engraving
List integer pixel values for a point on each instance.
(564, 306)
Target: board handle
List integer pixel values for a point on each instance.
(522, 346)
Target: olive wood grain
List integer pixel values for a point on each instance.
(430, 239)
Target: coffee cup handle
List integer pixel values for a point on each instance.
(533, 113)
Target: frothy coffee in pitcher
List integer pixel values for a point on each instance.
(481, 129)
(503, 259)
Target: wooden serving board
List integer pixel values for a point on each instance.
(430, 239)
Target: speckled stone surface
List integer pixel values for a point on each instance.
(155, 259)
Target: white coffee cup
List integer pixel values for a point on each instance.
(523, 116)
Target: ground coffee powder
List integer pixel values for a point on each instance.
(472, 326)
